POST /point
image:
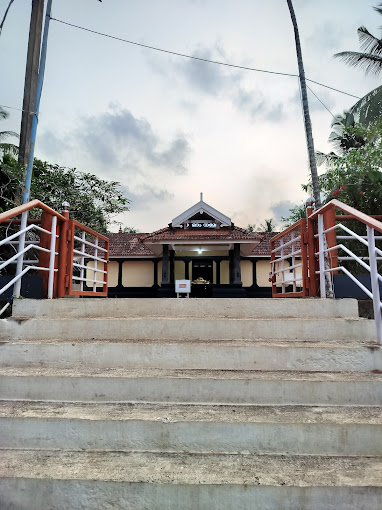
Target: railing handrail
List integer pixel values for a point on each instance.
(89, 230)
(16, 211)
(357, 215)
(289, 229)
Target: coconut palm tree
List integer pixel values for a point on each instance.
(305, 106)
(370, 57)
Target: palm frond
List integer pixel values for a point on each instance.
(325, 159)
(369, 108)
(5, 15)
(3, 113)
(369, 43)
(369, 63)
(9, 148)
(3, 134)
(378, 9)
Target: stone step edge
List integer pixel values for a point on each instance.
(178, 468)
(181, 412)
(192, 374)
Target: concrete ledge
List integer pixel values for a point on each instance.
(210, 307)
(228, 355)
(185, 428)
(187, 329)
(230, 387)
(64, 494)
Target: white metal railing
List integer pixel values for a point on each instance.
(288, 246)
(88, 268)
(25, 246)
(336, 252)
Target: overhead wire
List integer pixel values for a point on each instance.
(318, 99)
(201, 59)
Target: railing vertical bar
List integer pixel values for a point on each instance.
(95, 266)
(82, 259)
(282, 265)
(20, 260)
(292, 235)
(321, 255)
(375, 283)
(52, 257)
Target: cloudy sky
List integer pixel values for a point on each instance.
(168, 127)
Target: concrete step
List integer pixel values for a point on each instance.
(88, 383)
(214, 355)
(200, 308)
(192, 428)
(187, 329)
(32, 479)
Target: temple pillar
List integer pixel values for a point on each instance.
(236, 264)
(165, 261)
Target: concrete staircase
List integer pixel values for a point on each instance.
(212, 404)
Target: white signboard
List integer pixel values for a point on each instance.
(183, 286)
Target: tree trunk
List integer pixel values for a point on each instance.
(309, 136)
(305, 106)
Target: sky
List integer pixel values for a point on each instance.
(168, 127)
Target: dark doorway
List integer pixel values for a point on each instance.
(202, 271)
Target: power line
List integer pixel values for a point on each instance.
(13, 108)
(315, 95)
(184, 55)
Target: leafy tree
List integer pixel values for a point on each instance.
(93, 201)
(370, 56)
(130, 230)
(295, 214)
(355, 176)
(268, 225)
(251, 227)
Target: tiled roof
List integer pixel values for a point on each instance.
(201, 234)
(123, 244)
(263, 249)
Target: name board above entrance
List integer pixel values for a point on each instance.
(201, 224)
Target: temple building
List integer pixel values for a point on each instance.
(201, 245)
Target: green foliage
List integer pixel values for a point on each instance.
(7, 148)
(93, 201)
(268, 225)
(295, 214)
(355, 177)
(11, 175)
(130, 230)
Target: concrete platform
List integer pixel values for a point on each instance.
(200, 308)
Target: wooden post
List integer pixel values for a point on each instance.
(311, 228)
(63, 254)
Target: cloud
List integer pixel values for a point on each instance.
(117, 145)
(281, 209)
(117, 133)
(117, 139)
(217, 81)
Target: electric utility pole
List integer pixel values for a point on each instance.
(31, 73)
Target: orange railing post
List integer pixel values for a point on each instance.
(63, 253)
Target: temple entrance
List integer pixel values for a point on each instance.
(202, 278)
